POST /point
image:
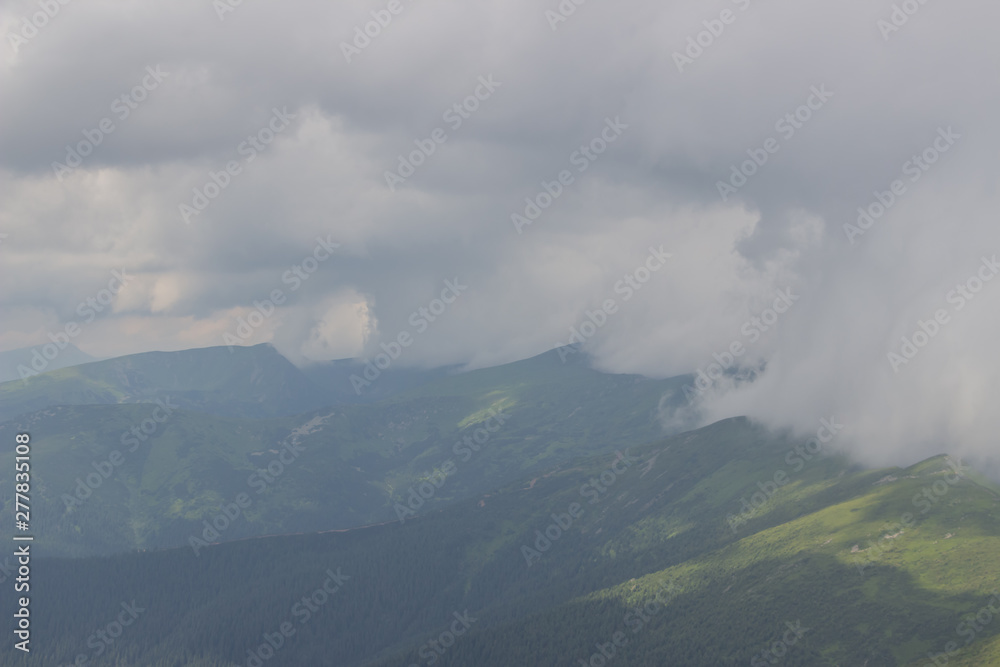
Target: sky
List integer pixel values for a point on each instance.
(799, 185)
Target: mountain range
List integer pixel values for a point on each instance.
(236, 510)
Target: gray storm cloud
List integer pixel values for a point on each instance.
(843, 151)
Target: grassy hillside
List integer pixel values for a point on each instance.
(847, 557)
(334, 379)
(239, 381)
(344, 466)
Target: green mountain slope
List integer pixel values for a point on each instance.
(840, 566)
(239, 381)
(334, 379)
(112, 478)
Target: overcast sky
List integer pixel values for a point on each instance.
(663, 120)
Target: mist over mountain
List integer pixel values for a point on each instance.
(29, 361)
(569, 334)
(763, 154)
(142, 450)
(541, 499)
(253, 381)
